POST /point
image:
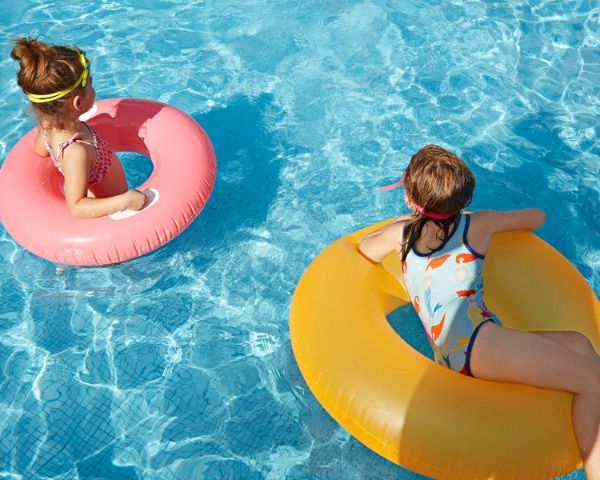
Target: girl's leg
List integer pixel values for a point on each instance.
(575, 341)
(506, 355)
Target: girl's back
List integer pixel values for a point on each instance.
(446, 289)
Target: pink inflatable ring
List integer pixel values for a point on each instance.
(33, 208)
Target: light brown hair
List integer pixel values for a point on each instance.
(439, 182)
(47, 69)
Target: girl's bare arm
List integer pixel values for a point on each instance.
(380, 243)
(486, 223)
(76, 165)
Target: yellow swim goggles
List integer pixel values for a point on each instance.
(50, 97)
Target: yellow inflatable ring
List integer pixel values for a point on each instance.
(416, 413)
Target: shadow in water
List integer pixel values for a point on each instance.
(549, 178)
(541, 130)
(407, 325)
(573, 204)
(247, 176)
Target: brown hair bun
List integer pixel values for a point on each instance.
(47, 69)
(33, 57)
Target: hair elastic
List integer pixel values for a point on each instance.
(433, 215)
(418, 208)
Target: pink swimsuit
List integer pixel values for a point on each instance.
(104, 154)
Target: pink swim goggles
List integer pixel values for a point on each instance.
(418, 208)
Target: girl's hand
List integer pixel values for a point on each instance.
(134, 200)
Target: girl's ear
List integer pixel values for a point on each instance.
(77, 103)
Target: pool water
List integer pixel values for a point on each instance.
(178, 365)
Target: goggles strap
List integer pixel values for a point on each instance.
(50, 97)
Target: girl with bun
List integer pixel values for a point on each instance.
(58, 83)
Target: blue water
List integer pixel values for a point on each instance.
(178, 365)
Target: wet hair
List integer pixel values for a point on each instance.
(47, 69)
(439, 182)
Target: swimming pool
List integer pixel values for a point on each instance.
(178, 365)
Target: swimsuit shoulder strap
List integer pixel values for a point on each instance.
(74, 139)
(457, 234)
(104, 151)
(54, 154)
(99, 142)
(467, 220)
(47, 144)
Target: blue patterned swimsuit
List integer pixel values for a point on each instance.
(446, 289)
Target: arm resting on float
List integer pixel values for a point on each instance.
(495, 222)
(377, 245)
(488, 222)
(88, 207)
(76, 166)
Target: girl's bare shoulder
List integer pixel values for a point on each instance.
(39, 144)
(378, 244)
